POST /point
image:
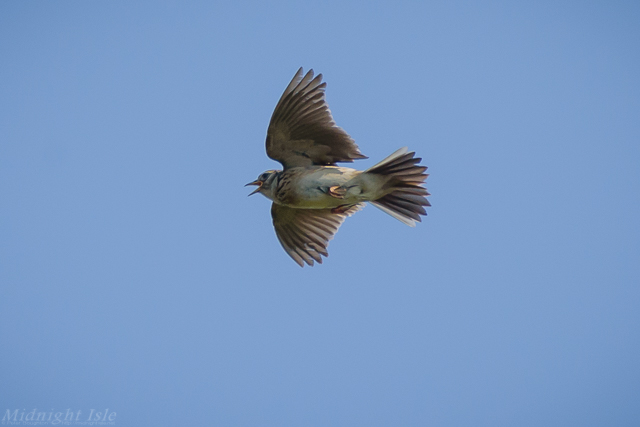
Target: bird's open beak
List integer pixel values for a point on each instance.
(258, 183)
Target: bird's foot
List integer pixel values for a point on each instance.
(337, 191)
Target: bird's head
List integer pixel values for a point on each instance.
(264, 182)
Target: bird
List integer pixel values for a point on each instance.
(312, 195)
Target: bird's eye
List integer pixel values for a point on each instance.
(264, 177)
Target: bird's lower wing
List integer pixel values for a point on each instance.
(305, 233)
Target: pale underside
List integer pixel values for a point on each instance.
(318, 187)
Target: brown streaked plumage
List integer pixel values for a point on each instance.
(302, 131)
(305, 233)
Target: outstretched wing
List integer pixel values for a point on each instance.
(305, 233)
(302, 131)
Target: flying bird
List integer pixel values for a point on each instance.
(312, 196)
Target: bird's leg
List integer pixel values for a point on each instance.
(337, 191)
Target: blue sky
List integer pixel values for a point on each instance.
(137, 276)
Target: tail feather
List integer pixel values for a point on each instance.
(406, 198)
(389, 158)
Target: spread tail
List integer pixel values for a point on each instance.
(407, 197)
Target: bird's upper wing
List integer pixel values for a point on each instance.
(302, 131)
(305, 233)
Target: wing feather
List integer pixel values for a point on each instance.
(302, 131)
(305, 233)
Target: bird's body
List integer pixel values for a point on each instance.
(312, 195)
(321, 187)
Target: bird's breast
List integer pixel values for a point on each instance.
(308, 187)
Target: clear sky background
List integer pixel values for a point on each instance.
(136, 274)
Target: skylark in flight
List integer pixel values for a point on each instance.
(312, 196)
